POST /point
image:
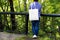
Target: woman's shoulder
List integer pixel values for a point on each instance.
(32, 3)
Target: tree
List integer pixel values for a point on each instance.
(25, 5)
(12, 16)
(3, 6)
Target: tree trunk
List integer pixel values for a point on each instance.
(1, 25)
(12, 16)
(25, 5)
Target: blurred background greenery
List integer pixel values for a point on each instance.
(47, 24)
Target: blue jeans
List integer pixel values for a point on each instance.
(35, 27)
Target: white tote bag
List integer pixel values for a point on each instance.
(33, 14)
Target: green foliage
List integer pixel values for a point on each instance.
(46, 23)
(51, 6)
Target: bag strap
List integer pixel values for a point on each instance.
(34, 5)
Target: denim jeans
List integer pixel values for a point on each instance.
(35, 27)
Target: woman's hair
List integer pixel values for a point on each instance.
(36, 0)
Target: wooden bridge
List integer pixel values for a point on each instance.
(12, 36)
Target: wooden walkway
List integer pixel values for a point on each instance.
(9, 36)
(12, 36)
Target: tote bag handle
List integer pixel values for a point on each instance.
(34, 6)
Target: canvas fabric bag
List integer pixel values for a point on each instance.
(33, 14)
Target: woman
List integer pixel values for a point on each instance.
(35, 24)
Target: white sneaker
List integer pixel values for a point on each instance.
(34, 36)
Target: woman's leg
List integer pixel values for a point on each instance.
(36, 27)
(33, 27)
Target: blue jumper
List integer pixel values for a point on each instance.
(35, 24)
